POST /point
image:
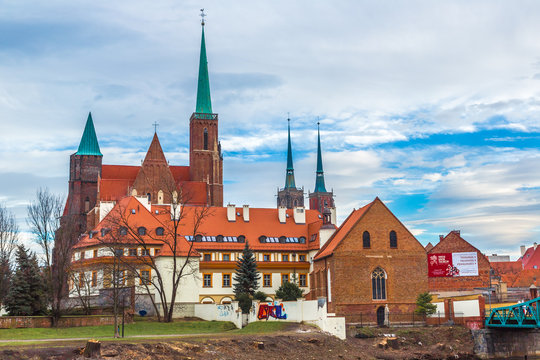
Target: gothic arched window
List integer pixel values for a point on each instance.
(393, 239)
(205, 139)
(366, 239)
(378, 284)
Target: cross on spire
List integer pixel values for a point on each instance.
(203, 15)
(155, 125)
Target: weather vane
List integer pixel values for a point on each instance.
(318, 122)
(155, 125)
(203, 15)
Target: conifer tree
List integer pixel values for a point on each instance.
(424, 305)
(246, 276)
(26, 294)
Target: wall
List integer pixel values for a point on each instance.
(7, 322)
(506, 343)
(470, 313)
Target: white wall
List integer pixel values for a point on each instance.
(440, 309)
(467, 307)
(188, 289)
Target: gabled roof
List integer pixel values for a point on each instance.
(89, 143)
(262, 222)
(353, 218)
(527, 278)
(531, 258)
(429, 246)
(447, 243)
(508, 271)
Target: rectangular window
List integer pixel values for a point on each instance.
(226, 257)
(119, 252)
(95, 253)
(284, 257)
(302, 280)
(207, 280)
(120, 280)
(82, 255)
(284, 278)
(207, 257)
(301, 257)
(226, 280)
(145, 276)
(145, 252)
(156, 251)
(267, 280)
(94, 278)
(266, 257)
(132, 252)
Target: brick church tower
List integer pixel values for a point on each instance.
(320, 199)
(290, 196)
(84, 174)
(205, 158)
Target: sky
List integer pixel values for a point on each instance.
(433, 106)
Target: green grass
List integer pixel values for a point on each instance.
(261, 327)
(137, 328)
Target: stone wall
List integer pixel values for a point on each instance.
(506, 343)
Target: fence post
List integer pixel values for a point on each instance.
(413, 319)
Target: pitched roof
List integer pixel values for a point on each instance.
(89, 143)
(429, 246)
(507, 270)
(329, 247)
(531, 258)
(527, 277)
(262, 222)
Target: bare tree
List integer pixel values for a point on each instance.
(124, 232)
(9, 232)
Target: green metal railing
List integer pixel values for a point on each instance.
(521, 315)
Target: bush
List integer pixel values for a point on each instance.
(244, 301)
(424, 305)
(259, 295)
(289, 291)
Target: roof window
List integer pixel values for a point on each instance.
(262, 239)
(122, 230)
(141, 230)
(241, 239)
(133, 211)
(160, 231)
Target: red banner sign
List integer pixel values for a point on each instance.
(453, 264)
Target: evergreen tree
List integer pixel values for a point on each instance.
(424, 305)
(26, 294)
(289, 291)
(246, 276)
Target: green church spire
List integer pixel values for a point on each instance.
(204, 103)
(289, 179)
(319, 179)
(89, 143)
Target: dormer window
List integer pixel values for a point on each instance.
(141, 231)
(104, 232)
(262, 239)
(241, 239)
(122, 230)
(160, 231)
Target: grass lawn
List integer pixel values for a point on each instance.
(137, 328)
(261, 327)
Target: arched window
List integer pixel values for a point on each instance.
(366, 239)
(122, 230)
(241, 239)
(393, 239)
(160, 197)
(149, 196)
(378, 284)
(160, 231)
(205, 139)
(141, 230)
(87, 204)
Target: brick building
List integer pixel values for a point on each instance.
(454, 243)
(92, 184)
(372, 266)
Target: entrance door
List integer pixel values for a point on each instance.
(380, 316)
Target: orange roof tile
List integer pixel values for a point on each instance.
(527, 277)
(341, 232)
(180, 173)
(119, 172)
(114, 189)
(507, 270)
(261, 222)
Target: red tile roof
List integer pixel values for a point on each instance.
(261, 222)
(329, 247)
(531, 258)
(507, 270)
(527, 277)
(180, 173)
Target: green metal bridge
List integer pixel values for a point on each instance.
(522, 315)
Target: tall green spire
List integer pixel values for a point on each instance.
(89, 143)
(289, 178)
(204, 103)
(319, 179)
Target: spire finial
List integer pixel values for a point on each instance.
(203, 15)
(155, 125)
(289, 178)
(319, 178)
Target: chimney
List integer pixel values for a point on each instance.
(441, 237)
(299, 213)
(282, 211)
(522, 248)
(333, 216)
(457, 232)
(535, 245)
(176, 209)
(231, 209)
(246, 213)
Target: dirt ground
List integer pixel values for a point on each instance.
(297, 342)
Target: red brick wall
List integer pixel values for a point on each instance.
(453, 242)
(351, 266)
(84, 171)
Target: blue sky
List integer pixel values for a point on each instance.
(432, 106)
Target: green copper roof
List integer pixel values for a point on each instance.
(289, 178)
(204, 104)
(89, 144)
(319, 178)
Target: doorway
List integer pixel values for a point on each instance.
(380, 316)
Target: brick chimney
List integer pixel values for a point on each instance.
(523, 249)
(245, 213)
(231, 212)
(282, 211)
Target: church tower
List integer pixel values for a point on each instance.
(320, 199)
(290, 196)
(84, 173)
(205, 158)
